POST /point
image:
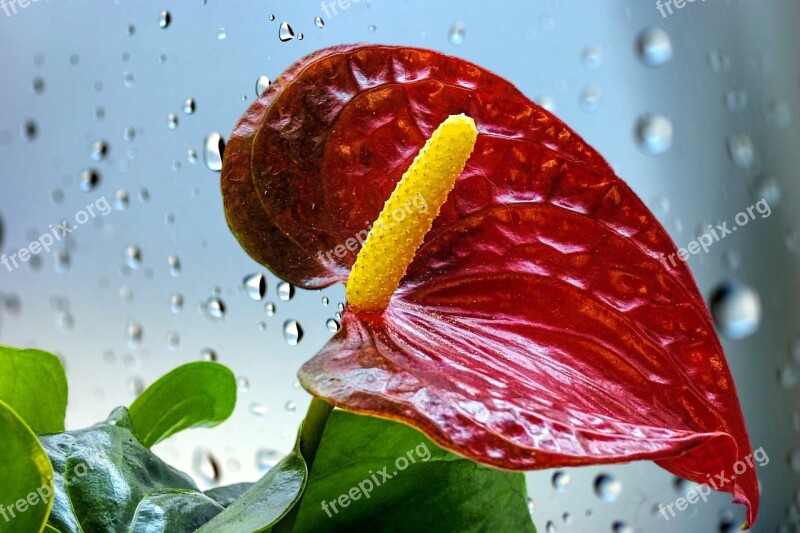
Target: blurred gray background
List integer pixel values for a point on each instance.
(697, 110)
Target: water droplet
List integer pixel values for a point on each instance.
(333, 325)
(89, 180)
(285, 291)
(172, 121)
(270, 309)
(133, 333)
(176, 303)
(136, 385)
(98, 150)
(546, 102)
(64, 321)
(741, 150)
(736, 309)
(550, 527)
(457, 33)
(736, 100)
(292, 332)
(654, 47)
(789, 375)
(133, 257)
(779, 114)
(290, 407)
(215, 308)
(266, 459)
(767, 188)
(300, 36)
(173, 341)
(222, 34)
(654, 134)
(255, 285)
(592, 56)
(684, 486)
(621, 527)
(285, 32)
(719, 61)
(205, 466)
(318, 22)
(607, 488)
(560, 481)
(164, 20)
(189, 106)
(262, 326)
(126, 293)
(547, 22)
(38, 85)
(243, 384)
(62, 261)
(207, 354)
(128, 80)
(271, 17)
(29, 131)
(174, 263)
(213, 149)
(590, 99)
(121, 200)
(262, 83)
(794, 460)
(258, 409)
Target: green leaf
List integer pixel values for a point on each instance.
(27, 478)
(34, 384)
(225, 496)
(201, 394)
(376, 475)
(105, 474)
(266, 502)
(173, 511)
(50, 529)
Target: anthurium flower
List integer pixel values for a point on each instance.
(535, 325)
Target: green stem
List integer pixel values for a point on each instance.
(309, 440)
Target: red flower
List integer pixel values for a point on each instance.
(536, 327)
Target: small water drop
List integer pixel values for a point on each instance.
(271, 17)
(457, 33)
(736, 100)
(213, 150)
(325, 301)
(121, 200)
(741, 150)
(128, 79)
(134, 333)
(189, 106)
(174, 263)
(258, 410)
(292, 332)
(654, 134)
(318, 22)
(172, 121)
(778, 113)
(133, 257)
(621, 527)
(290, 407)
(207, 354)
(215, 308)
(164, 19)
(736, 309)
(590, 98)
(136, 385)
(243, 384)
(126, 293)
(222, 34)
(550, 527)
(546, 102)
(767, 188)
(607, 488)
(266, 459)
(789, 375)
(285, 291)
(173, 341)
(333, 325)
(205, 466)
(560, 481)
(29, 131)
(89, 180)
(285, 32)
(262, 83)
(255, 285)
(592, 56)
(176, 303)
(719, 61)
(270, 308)
(654, 47)
(64, 321)
(98, 150)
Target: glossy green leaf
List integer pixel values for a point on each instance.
(50, 529)
(225, 496)
(34, 384)
(105, 474)
(26, 487)
(372, 474)
(173, 511)
(266, 502)
(200, 394)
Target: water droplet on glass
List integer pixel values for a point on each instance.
(546, 102)
(174, 263)
(215, 308)
(128, 80)
(607, 488)
(173, 341)
(285, 32)
(258, 409)
(768, 189)
(222, 34)
(789, 375)
(189, 106)
(290, 407)
(292, 332)
(736, 309)
(300, 36)
(213, 149)
(550, 527)
(654, 134)
(176, 303)
(719, 61)
(243, 384)
(779, 114)
(621, 527)
(89, 180)
(164, 19)
(271, 17)
(333, 325)
(133, 257)
(266, 459)
(126, 293)
(590, 98)
(285, 291)
(736, 100)
(207, 354)
(255, 285)
(172, 121)
(560, 481)
(205, 466)
(741, 150)
(64, 321)
(654, 47)
(325, 301)
(28, 131)
(592, 56)
(136, 385)
(262, 83)
(318, 22)
(457, 33)
(134, 332)
(121, 200)
(98, 150)
(62, 261)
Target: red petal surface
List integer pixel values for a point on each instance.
(536, 326)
